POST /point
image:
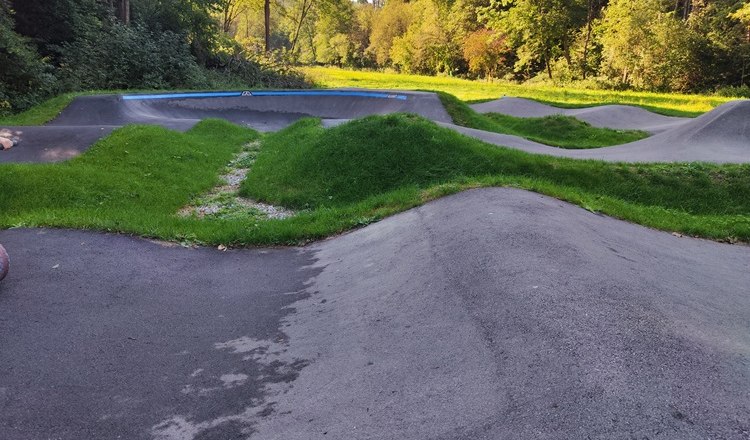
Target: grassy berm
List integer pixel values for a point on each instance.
(556, 130)
(382, 164)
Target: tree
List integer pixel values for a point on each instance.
(485, 52)
(643, 45)
(392, 21)
(540, 30)
(267, 23)
(123, 11)
(25, 78)
(230, 10)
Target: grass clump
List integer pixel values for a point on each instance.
(133, 181)
(563, 131)
(41, 113)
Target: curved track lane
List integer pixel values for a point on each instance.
(719, 136)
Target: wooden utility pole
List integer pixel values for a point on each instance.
(267, 11)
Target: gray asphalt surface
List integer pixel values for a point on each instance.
(622, 117)
(90, 118)
(719, 136)
(490, 314)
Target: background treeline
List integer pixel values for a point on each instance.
(52, 46)
(660, 45)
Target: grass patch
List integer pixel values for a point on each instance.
(563, 131)
(42, 113)
(671, 104)
(136, 180)
(133, 181)
(557, 130)
(399, 160)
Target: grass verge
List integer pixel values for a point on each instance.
(670, 104)
(42, 113)
(557, 131)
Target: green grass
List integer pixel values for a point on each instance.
(671, 104)
(133, 181)
(563, 131)
(557, 131)
(136, 180)
(379, 165)
(41, 113)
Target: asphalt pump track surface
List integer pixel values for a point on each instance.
(490, 314)
(719, 136)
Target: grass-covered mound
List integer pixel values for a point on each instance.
(134, 180)
(307, 165)
(563, 131)
(334, 170)
(557, 131)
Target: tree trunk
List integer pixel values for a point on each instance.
(123, 11)
(303, 14)
(267, 11)
(549, 66)
(589, 28)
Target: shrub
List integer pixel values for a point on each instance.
(734, 92)
(25, 78)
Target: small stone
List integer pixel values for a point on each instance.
(222, 248)
(6, 144)
(677, 234)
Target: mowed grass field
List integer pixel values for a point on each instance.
(670, 104)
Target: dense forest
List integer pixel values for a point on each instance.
(49, 47)
(665, 45)
(53, 46)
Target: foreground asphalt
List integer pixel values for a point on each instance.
(490, 314)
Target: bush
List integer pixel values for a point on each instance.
(25, 78)
(734, 92)
(233, 66)
(120, 57)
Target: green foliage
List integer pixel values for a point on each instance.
(563, 131)
(333, 168)
(25, 78)
(124, 184)
(734, 92)
(656, 45)
(169, 44)
(121, 57)
(392, 22)
(541, 30)
(670, 104)
(644, 46)
(485, 52)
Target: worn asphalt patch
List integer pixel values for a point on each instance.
(105, 336)
(493, 313)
